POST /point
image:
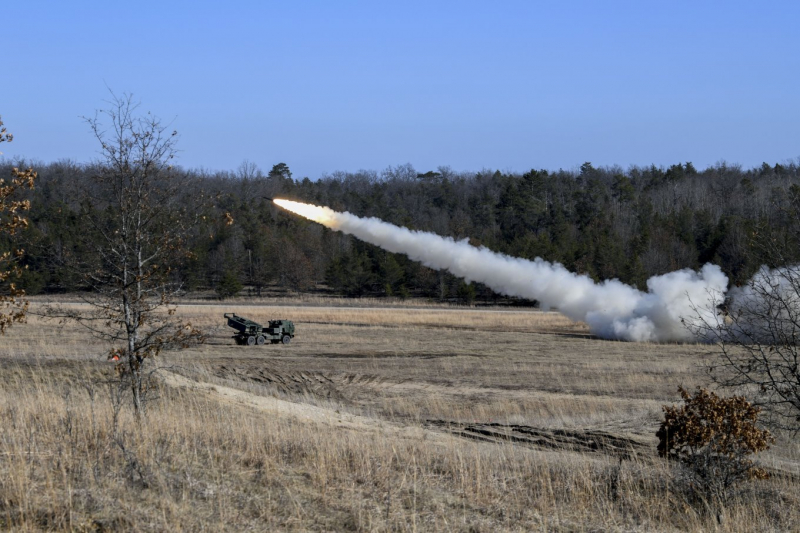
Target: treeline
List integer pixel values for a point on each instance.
(604, 222)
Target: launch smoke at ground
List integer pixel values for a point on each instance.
(612, 309)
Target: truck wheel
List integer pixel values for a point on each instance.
(251, 341)
(286, 339)
(260, 340)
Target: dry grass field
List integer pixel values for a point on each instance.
(406, 417)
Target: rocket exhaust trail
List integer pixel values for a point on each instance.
(612, 309)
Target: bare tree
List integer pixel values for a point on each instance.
(137, 216)
(13, 305)
(758, 335)
(757, 330)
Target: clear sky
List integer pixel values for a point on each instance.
(349, 85)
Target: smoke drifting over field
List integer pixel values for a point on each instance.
(612, 309)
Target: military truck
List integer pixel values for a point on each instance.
(249, 333)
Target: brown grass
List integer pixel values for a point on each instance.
(371, 420)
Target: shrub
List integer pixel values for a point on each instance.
(713, 438)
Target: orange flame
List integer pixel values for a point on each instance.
(323, 215)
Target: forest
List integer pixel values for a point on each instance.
(606, 222)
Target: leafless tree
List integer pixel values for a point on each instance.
(757, 330)
(137, 217)
(757, 336)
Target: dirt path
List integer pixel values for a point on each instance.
(555, 439)
(306, 412)
(438, 431)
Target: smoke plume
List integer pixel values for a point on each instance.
(612, 309)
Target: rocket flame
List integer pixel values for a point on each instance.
(324, 215)
(612, 309)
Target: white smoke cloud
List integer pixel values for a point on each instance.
(767, 309)
(612, 309)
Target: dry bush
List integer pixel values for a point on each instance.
(713, 439)
(13, 305)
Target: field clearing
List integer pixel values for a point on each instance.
(373, 418)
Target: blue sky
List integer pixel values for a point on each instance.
(326, 86)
